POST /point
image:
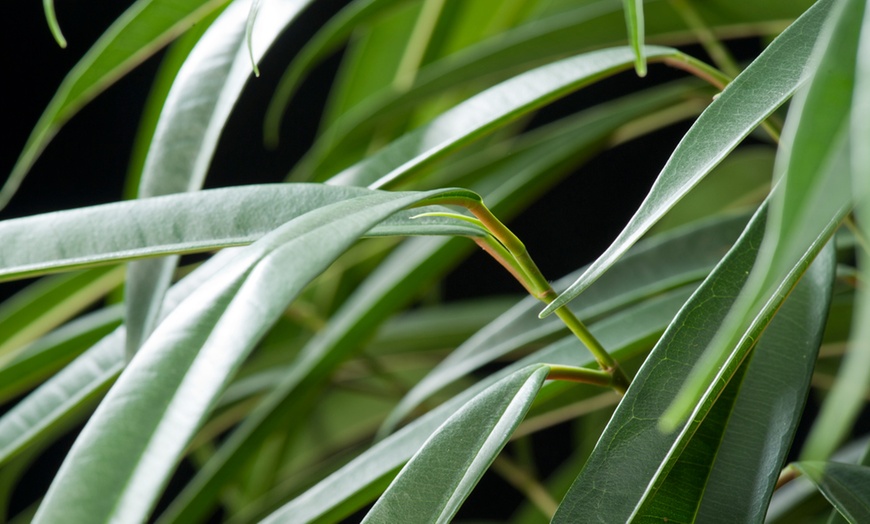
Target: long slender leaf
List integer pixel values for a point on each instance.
(144, 28)
(128, 450)
(457, 455)
(193, 116)
(846, 486)
(48, 303)
(634, 22)
(485, 112)
(508, 185)
(618, 480)
(812, 197)
(70, 391)
(182, 223)
(756, 93)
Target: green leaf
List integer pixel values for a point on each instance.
(619, 480)
(652, 267)
(811, 198)
(44, 357)
(367, 475)
(487, 111)
(51, 18)
(181, 223)
(508, 184)
(756, 93)
(127, 451)
(328, 39)
(634, 22)
(49, 303)
(448, 466)
(846, 486)
(593, 25)
(69, 393)
(144, 28)
(195, 111)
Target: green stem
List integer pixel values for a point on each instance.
(582, 375)
(518, 261)
(720, 55)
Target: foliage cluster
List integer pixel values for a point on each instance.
(307, 370)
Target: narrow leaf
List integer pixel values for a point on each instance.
(618, 480)
(53, 25)
(133, 442)
(755, 94)
(846, 486)
(182, 223)
(634, 22)
(144, 28)
(328, 39)
(487, 111)
(812, 197)
(196, 109)
(249, 34)
(443, 472)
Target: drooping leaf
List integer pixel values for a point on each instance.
(508, 185)
(195, 111)
(565, 32)
(128, 450)
(144, 28)
(619, 480)
(487, 111)
(813, 195)
(68, 393)
(51, 18)
(173, 224)
(762, 87)
(451, 462)
(846, 486)
(634, 22)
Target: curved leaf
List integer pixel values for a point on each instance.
(131, 445)
(328, 39)
(487, 111)
(181, 223)
(756, 93)
(448, 466)
(846, 486)
(618, 481)
(508, 185)
(69, 392)
(634, 22)
(196, 109)
(813, 195)
(143, 29)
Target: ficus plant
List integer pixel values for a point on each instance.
(286, 342)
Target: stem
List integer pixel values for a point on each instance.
(582, 375)
(527, 484)
(524, 269)
(720, 55)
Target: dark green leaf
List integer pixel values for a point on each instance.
(846, 486)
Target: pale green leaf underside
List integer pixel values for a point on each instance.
(182, 223)
(768, 82)
(131, 445)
